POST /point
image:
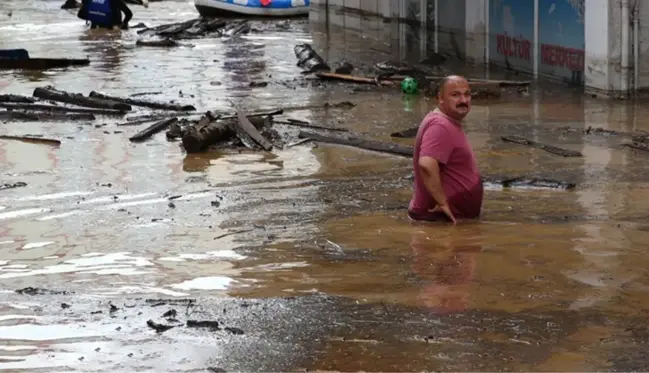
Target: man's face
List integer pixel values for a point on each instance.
(455, 98)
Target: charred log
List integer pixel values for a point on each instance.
(143, 103)
(49, 93)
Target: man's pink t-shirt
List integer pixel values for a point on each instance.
(442, 138)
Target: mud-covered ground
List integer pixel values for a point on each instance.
(304, 255)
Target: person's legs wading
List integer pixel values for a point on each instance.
(428, 217)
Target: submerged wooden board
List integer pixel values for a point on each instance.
(408, 151)
(548, 148)
(41, 63)
(352, 78)
(406, 134)
(244, 127)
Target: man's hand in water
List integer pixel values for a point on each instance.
(446, 210)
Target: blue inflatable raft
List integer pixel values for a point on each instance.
(262, 8)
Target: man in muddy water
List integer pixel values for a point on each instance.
(447, 181)
(105, 13)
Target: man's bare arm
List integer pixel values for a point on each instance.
(430, 172)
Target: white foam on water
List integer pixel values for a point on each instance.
(111, 198)
(35, 245)
(220, 254)
(61, 215)
(108, 264)
(205, 283)
(21, 213)
(62, 195)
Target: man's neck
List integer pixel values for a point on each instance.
(453, 120)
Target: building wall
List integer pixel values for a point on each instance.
(574, 41)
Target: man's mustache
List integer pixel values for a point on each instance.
(462, 105)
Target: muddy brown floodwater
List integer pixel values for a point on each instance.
(304, 256)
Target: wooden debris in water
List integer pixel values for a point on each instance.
(637, 146)
(212, 129)
(175, 131)
(407, 151)
(32, 139)
(144, 94)
(19, 184)
(480, 82)
(232, 233)
(196, 28)
(529, 182)
(309, 59)
(303, 124)
(206, 132)
(16, 98)
(548, 148)
(153, 129)
(361, 143)
(246, 131)
(268, 113)
(163, 43)
(235, 28)
(141, 121)
(50, 93)
(472, 81)
(43, 116)
(299, 142)
(143, 103)
(159, 328)
(407, 133)
(642, 138)
(41, 63)
(353, 78)
(60, 109)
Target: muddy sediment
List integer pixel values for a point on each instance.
(303, 333)
(188, 261)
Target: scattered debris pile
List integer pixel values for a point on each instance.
(548, 148)
(408, 151)
(251, 131)
(639, 142)
(20, 59)
(168, 35)
(51, 104)
(309, 59)
(240, 129)
(391, 74)
(96, 103)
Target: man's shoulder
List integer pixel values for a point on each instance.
(436, 120)
(435, 117)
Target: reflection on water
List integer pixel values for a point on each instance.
(448, 265)
(105, 46)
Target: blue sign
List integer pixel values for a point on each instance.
(511, 33)
(562, 39)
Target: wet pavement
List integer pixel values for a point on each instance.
(307, 250)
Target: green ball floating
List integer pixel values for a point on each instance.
(409, 86)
